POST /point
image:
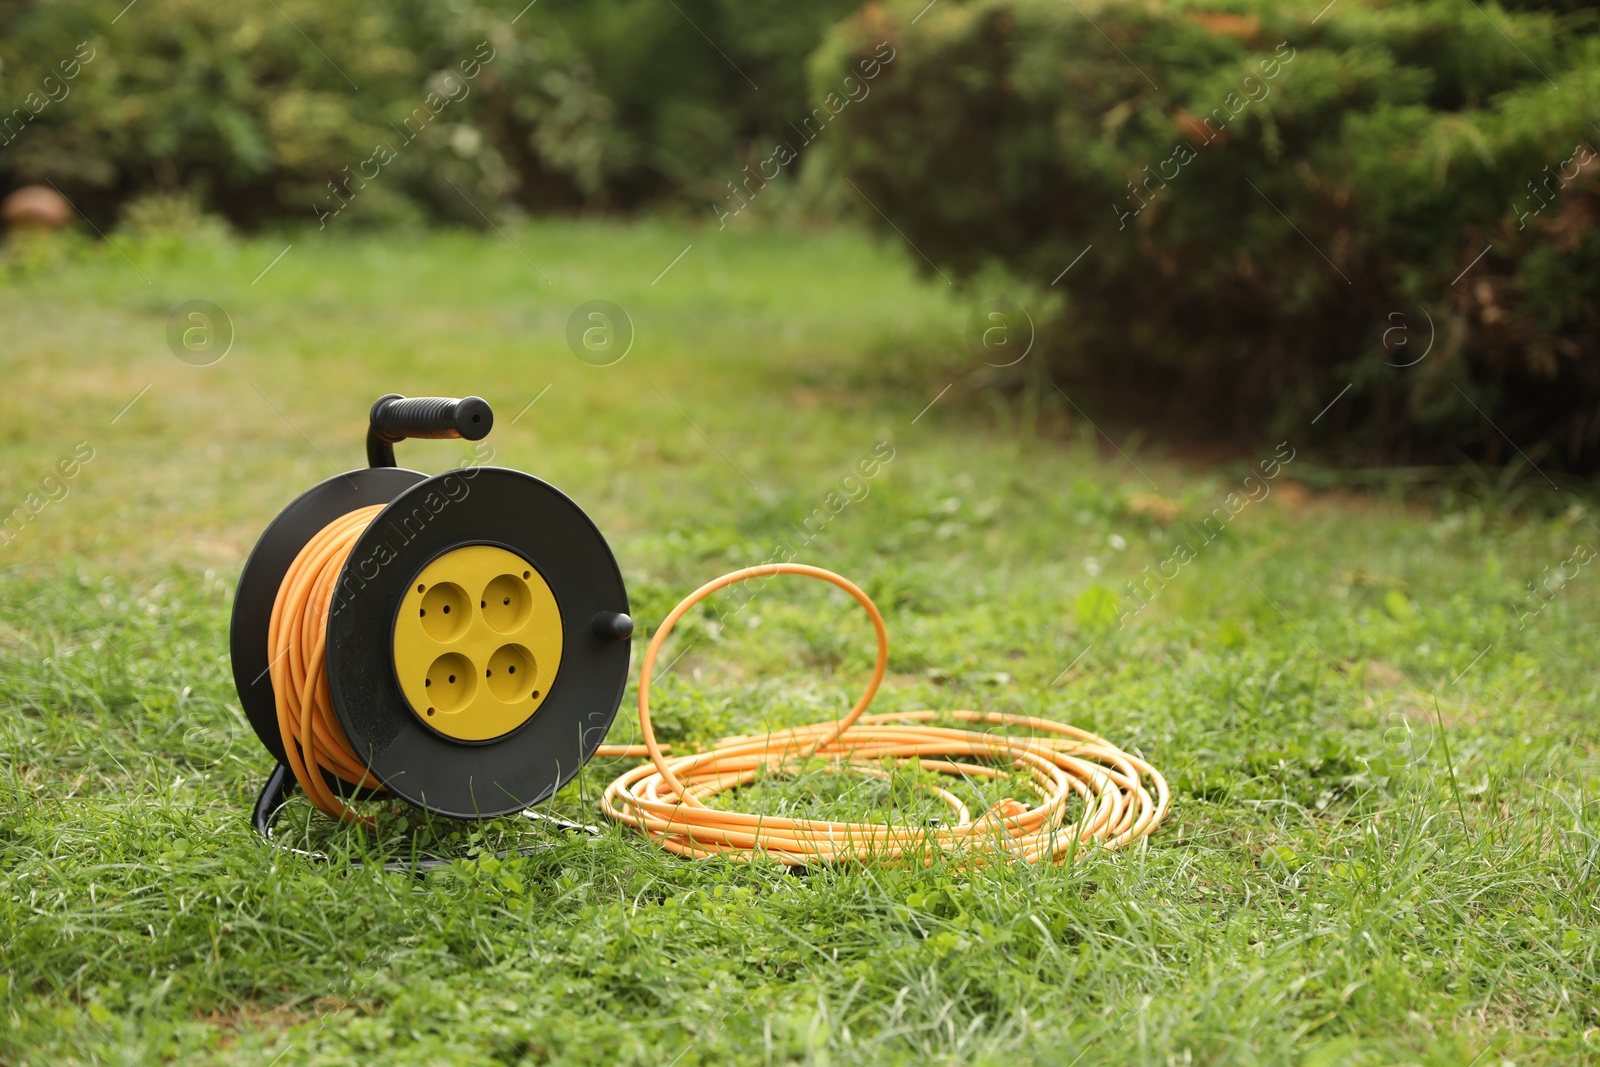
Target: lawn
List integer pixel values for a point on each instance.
(1384, 842)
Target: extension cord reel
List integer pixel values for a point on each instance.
(476, 633)
(462, 642)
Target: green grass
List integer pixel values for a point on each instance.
(1385, 838)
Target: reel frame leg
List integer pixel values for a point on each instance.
(280, 787)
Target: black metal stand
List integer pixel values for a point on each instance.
(281, 785)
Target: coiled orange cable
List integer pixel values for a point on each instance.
(666, 798)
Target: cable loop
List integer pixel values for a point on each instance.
(666, 798)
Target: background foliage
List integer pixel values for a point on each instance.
(1354, 167)
(610, 103)
(1412, 177)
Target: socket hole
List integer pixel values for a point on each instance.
(451, 683)
(445, 612)
(511, 673)
(512, 603)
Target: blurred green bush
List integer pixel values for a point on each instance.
(297, 108)
(1279, 200)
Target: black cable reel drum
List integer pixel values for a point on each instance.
(477, 632)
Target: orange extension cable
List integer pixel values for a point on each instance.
(666, 798)
(297, 647)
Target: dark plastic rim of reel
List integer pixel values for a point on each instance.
(263, 574)
(513, 510)
(393, 418)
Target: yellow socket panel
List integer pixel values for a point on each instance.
(477, 643)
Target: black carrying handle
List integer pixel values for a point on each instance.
(395, 418)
